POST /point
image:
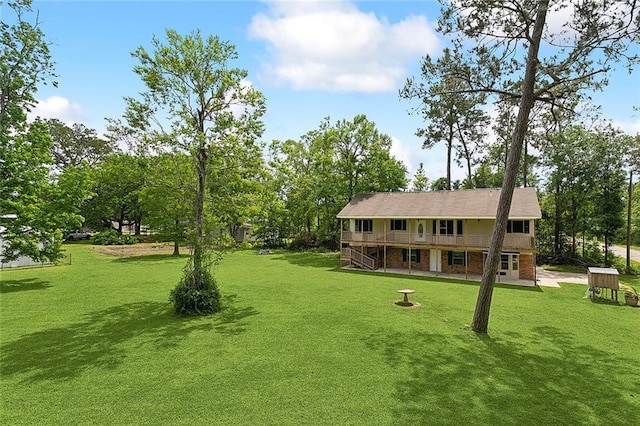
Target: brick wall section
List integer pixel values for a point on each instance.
(474, 266)
(394, 260)
(527, 268)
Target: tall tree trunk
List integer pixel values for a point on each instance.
(449, 149)
(629, 196)
(176, 242)
(483, 305)
(198, 244)
(558, 221)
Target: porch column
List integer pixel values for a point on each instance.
(466, 264)
(465, 231)
(384, 241)
(409, 227)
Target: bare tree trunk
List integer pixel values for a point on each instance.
(483, 305)
(629, 196)
(198, 248)
(558, 222)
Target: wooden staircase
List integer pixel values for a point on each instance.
(363, 260)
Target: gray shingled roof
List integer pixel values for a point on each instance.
(462, 204)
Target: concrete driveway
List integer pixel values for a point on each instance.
(552, 278)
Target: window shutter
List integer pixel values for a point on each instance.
(417, 256)
(449, 258)
(459, 227)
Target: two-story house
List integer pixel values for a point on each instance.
(440, 231)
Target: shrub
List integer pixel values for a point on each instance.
(304, 241)
(196, 294)
(107, 238)
(110, 237)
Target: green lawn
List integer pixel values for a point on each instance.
(301, 342)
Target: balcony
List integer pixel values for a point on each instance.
(511, 241)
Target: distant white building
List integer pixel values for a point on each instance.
(22, 260)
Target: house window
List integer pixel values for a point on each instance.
(398, 224)
(514, 262)
(420, 230)
(414, 255)
(446, 227)
(518, 226)
(364, 225)
(457, 258)
(504, 262)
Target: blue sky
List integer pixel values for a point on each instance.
(310, 59)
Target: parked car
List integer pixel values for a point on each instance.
(78, 235)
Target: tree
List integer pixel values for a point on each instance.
(76, 145)
(607, 160)
(196, 103)
(632, 160)
(328, 167)
(503, 59)
(167, 197)
(117, 184)
(420, 180)
(28, 204)
(453, 113)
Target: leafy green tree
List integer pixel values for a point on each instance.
(29, 200)
(328, 167)
(452, 112)
(117, 184)
(167, 197)
(607, 170)
(77, 144)
(197, 103)
(502, 41)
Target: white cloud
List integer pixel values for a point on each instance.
(336, 47)
(403, 153)
(60, 108)
(631, 128)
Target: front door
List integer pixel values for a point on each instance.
(508, 268)
(421, 231)
(435, 260)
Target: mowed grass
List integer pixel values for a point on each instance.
(302, 342)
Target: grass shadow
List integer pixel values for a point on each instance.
(103, 339)
(546, 377)
(157, 257)
(26, 284)
(446, 280)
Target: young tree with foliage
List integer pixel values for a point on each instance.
(452, 112)
(167, 197)
(32, 207)
(504, 39)
(205, 104)
(420, 180)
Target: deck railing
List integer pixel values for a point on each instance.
(511, 241)
(358, 258)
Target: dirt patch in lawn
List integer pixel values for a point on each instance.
(138, 250)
